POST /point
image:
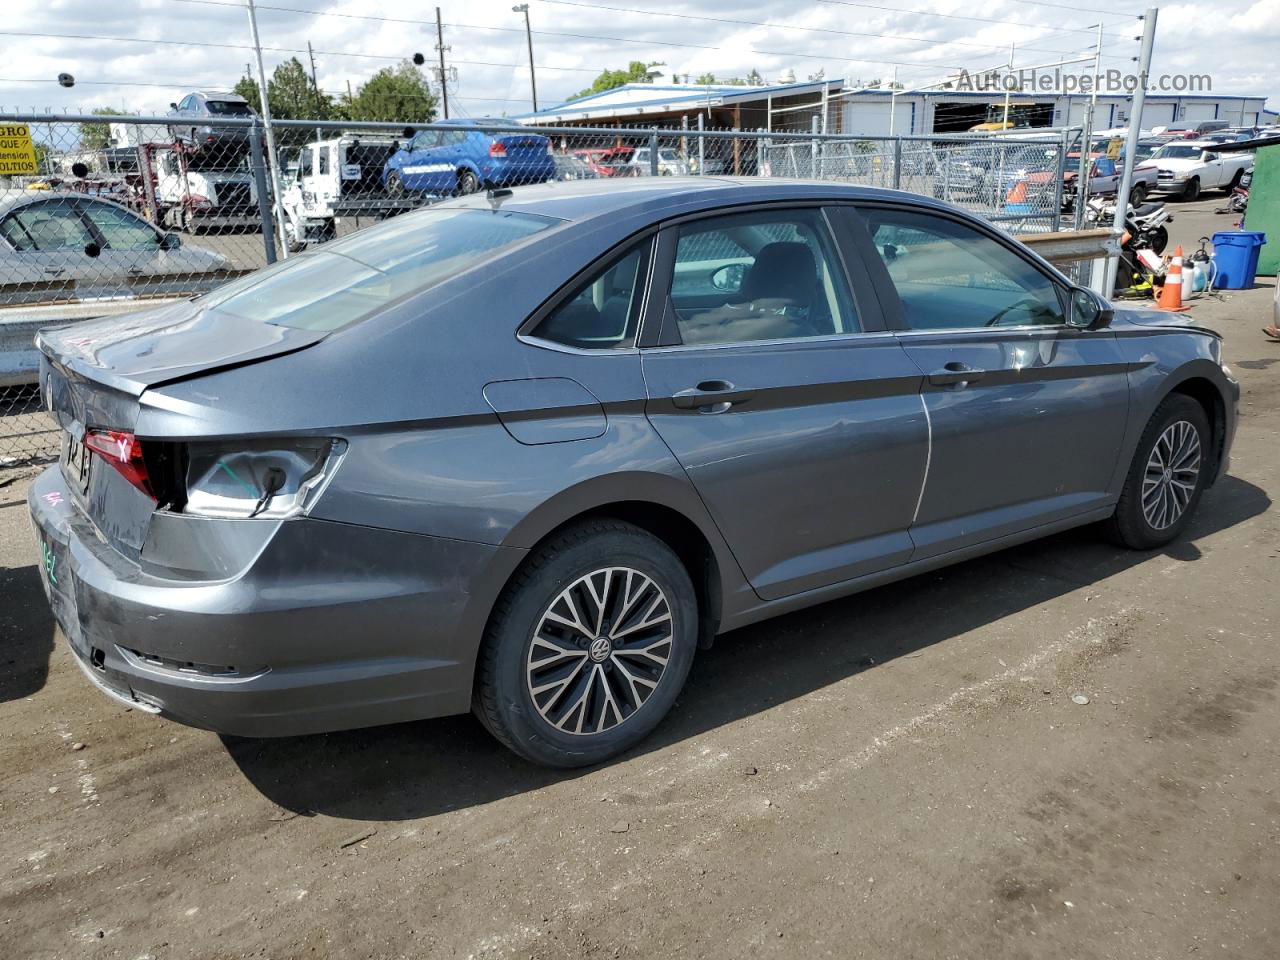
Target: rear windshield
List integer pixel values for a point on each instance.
(226, 108)
(350, 278)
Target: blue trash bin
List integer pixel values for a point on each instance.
(1236, 254)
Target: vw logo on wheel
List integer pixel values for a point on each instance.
(600, 649)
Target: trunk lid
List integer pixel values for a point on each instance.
(525, 147)
(128, 354)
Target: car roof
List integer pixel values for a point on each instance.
(17, 199)
(221, 95)
(583, 200)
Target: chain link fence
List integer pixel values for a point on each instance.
(124, 212)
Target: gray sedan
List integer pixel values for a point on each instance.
(523, 453)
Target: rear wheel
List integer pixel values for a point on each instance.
(1167, 477)
(588, 646)
(395, 186)
(468, 183)
(1159, 239)
(1235, 181)
(1192, 190)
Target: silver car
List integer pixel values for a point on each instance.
(57, 247)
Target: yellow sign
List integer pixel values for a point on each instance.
(17, 153)
(1113, 148)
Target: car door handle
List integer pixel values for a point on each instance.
(710, 396)
(55, 271)
(955, 372)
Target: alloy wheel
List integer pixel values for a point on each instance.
(599, 651)
(1172, 471)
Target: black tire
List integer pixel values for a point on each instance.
(1159, 239)
(1235, 181)
(504, 699)
(395, 186)
(1130, 525)
(468, 183)
(1192, 190)
(1137, 194)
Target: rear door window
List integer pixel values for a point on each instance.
(47, 226)
(759, 276)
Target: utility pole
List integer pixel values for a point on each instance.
(444, 88)
(1007, 82)
(1086, 138)
(1131, 142)
(315, 87)
(528, 35)
(273, 158)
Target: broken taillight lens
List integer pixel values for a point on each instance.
(123, 451)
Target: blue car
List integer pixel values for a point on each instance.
(468, 160)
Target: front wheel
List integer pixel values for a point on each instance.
(588, 646)
(1159, 239)
(1192, 190)
(395, 186)
(1167, 476)
(1137, 194)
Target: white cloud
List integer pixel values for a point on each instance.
(1236, 45)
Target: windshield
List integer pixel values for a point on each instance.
(227, 108)
(350, 278)
(1177, 151)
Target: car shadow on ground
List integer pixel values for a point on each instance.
(420, 769)
(26, 633)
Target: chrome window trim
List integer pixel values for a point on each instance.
(775, 342)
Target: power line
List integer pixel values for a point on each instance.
(927, 64)
(193, 85)
(928, 13)
(788, 26)
(244, 46)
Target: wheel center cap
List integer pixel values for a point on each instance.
(1168, 475)
(600, 649)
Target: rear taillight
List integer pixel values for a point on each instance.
(271, 479)
(123, 451)
(497, 149)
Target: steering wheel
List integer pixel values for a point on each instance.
(1024, 302)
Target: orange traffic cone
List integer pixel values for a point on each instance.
(1171, 293)
(1018, 194)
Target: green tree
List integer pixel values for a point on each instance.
(706, 79)
(97, 136)
(290, 94)
(392, 94)
(636, 72)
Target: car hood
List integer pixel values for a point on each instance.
(139, 350)
(1175, 163)
(1150, 317)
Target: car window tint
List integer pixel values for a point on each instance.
(603, 312)
(121, 229)
(225, 108)
(348, 279)
(322, 157)
(48, 226)
(951, 276)
(759, 276)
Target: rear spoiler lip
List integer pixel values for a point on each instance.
(135, 387)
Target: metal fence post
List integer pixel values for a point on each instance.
(813, 150)
(1060, 173)
(702, 147)
(653, 152)
(260, 184)
(897, 163)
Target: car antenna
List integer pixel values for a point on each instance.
(497, 195)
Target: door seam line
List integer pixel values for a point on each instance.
(928, 458)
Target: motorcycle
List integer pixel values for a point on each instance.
(1239, 202)
(1146, 224)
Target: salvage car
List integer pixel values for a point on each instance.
(522, 454)
(450, 162)
(1187, 167)
(60, 247)
(196, 122)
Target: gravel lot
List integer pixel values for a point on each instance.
(900, 774)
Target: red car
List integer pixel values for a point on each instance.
(608, 161)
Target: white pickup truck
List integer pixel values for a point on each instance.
(1185, 167)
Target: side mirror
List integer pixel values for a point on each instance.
(173, 106)
(1089, 311)
(170, 241)
(729, 277)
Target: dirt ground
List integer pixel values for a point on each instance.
(897, 775)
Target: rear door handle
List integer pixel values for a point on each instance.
(710, 396)
(55, 271)
(956, 372)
